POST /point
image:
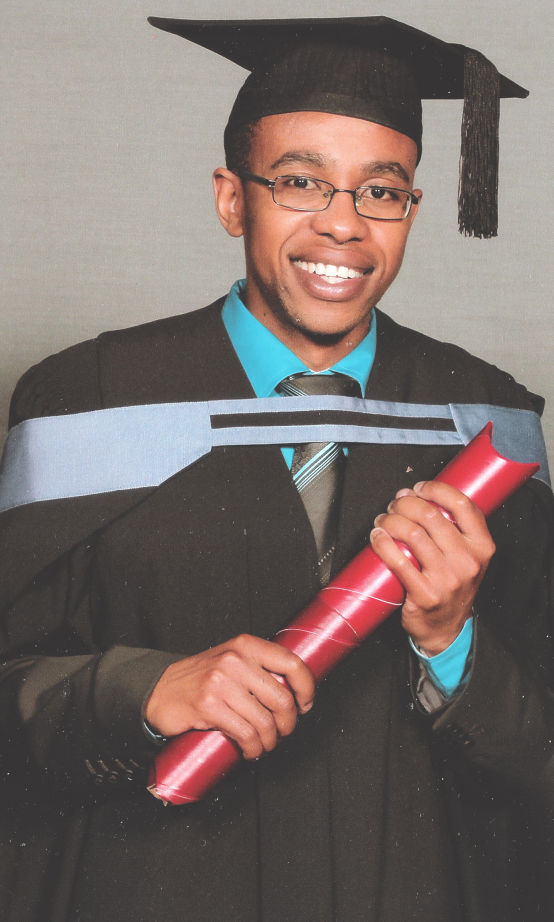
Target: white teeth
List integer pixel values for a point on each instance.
(332, 273)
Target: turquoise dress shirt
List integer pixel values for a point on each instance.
(266, 361)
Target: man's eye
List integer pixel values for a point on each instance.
(300, 182)
(377, 192)
(380, 193)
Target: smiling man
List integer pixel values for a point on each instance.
(138, 595)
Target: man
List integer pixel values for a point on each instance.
(418, 773)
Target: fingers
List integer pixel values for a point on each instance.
(467, 516)
(384, 543)
(452, 558)
(282, 662)
(415, 518)
(241, 717)
(251, 692)
(231, 688)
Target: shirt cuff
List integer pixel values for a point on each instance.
(449, 670)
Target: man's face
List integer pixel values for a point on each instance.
(282, 247)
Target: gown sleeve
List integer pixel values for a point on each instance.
(70, 711)
(500, 727)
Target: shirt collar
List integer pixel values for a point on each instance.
(266, 360)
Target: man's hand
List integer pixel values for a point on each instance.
(230, 688)
(453, 560)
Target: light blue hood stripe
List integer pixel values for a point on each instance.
(127, 448)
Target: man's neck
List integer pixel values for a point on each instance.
(317, 351)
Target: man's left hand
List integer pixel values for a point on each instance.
(453, 560)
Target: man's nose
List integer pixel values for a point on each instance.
(340, 219)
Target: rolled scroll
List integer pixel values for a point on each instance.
(340, 617)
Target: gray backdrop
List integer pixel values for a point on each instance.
(113, 129)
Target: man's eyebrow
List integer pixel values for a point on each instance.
(307, 157)
(386, 168)
(313, 159)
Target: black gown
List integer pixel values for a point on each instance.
(373, 810)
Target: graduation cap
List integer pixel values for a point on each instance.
(369, 67)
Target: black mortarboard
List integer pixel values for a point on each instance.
(372, 68)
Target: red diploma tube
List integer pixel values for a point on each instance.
(340, 617)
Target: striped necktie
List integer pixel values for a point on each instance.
(318, 467)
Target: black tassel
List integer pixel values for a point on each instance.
(478, 188)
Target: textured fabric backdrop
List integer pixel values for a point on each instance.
(113, 129)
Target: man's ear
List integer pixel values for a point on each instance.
(229, 200)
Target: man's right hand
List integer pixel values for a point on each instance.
(230, 688)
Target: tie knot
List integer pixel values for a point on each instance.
(333, 384)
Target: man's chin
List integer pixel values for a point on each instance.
(325, 324)
(320, 338)
(324, 332)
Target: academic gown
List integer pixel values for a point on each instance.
(373, 809)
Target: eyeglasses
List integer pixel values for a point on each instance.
(304, 193)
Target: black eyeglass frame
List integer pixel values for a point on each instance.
(413, 199)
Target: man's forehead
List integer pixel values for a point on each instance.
(324, 140)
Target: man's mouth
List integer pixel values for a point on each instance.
(331, 273)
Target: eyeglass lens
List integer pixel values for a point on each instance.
(304, 193)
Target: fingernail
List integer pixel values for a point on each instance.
(403, 492)
(378, 518)
(418, 486)
(375, 533)
(307, 707)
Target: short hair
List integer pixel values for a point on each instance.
(237, 144)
